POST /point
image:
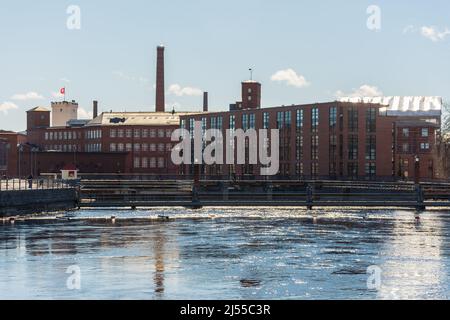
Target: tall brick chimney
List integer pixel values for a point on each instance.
(160, 91)
(95, 109)
(205, 101)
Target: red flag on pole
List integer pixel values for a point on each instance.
(63, 91)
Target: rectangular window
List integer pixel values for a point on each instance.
(145, 147)
(405, 132)
(371, 120)
(353, 147)
(405, 148)
(129, 133)
(120, 133)
(299, 120)
(425, 133)
(152, 162)
(144, 133)
(333, 117)
(144, 162)
(371, 147)
(137, 162)
(371, 170)
(137, 147)
(161, 147)
(120, 147)
(252, 121)
(280, 120)
(219, 123)
(128, 147)
(288, 119)
(137, 133)
(353, 119)
(315, 148)
(245, 124)
(112, 147)
(152, 147)
(160, 133)
(152, 133)
(232, 123)
(266, 120)
(315, 118)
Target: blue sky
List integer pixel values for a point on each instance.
(317, 50)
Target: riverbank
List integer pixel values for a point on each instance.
(25, 202)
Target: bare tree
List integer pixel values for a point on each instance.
(446, 119)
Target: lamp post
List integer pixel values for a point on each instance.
(416, 169)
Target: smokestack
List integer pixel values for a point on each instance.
(160, 94)
(95, 109)
(205, 101)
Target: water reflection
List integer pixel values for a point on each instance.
(413, 266)
(269, 254)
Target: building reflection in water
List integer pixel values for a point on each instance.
(415, 267)
(159, 250)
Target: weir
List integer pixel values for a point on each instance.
(308, 194)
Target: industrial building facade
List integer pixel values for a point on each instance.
(368, 139)
(335, 140)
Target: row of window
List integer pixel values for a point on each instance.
(62, 135)
(93, 134)
(284, 120)
(407, 148)
(425, 132)
(62, 148)
(140, 133)
(137, 147)
(145, 162)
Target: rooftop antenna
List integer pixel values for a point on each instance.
(251, 74)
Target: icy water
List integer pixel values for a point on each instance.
(227, 254)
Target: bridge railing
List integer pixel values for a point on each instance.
(33, 184)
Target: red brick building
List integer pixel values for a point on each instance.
(334, 140)
(8, 152)
(116, 142)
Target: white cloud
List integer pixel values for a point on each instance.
(27, 96)
(6, 106)
(363, 91)
(434, 34)
(291, 78)
(179, 91)
(83, 114)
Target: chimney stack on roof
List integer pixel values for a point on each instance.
(205, 101)
(95, 109)
(160, 91)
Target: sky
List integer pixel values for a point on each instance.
(301, 52)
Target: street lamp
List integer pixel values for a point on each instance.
(417, 169)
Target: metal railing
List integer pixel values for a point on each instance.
(33, 184)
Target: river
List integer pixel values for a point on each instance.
(227, 254)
